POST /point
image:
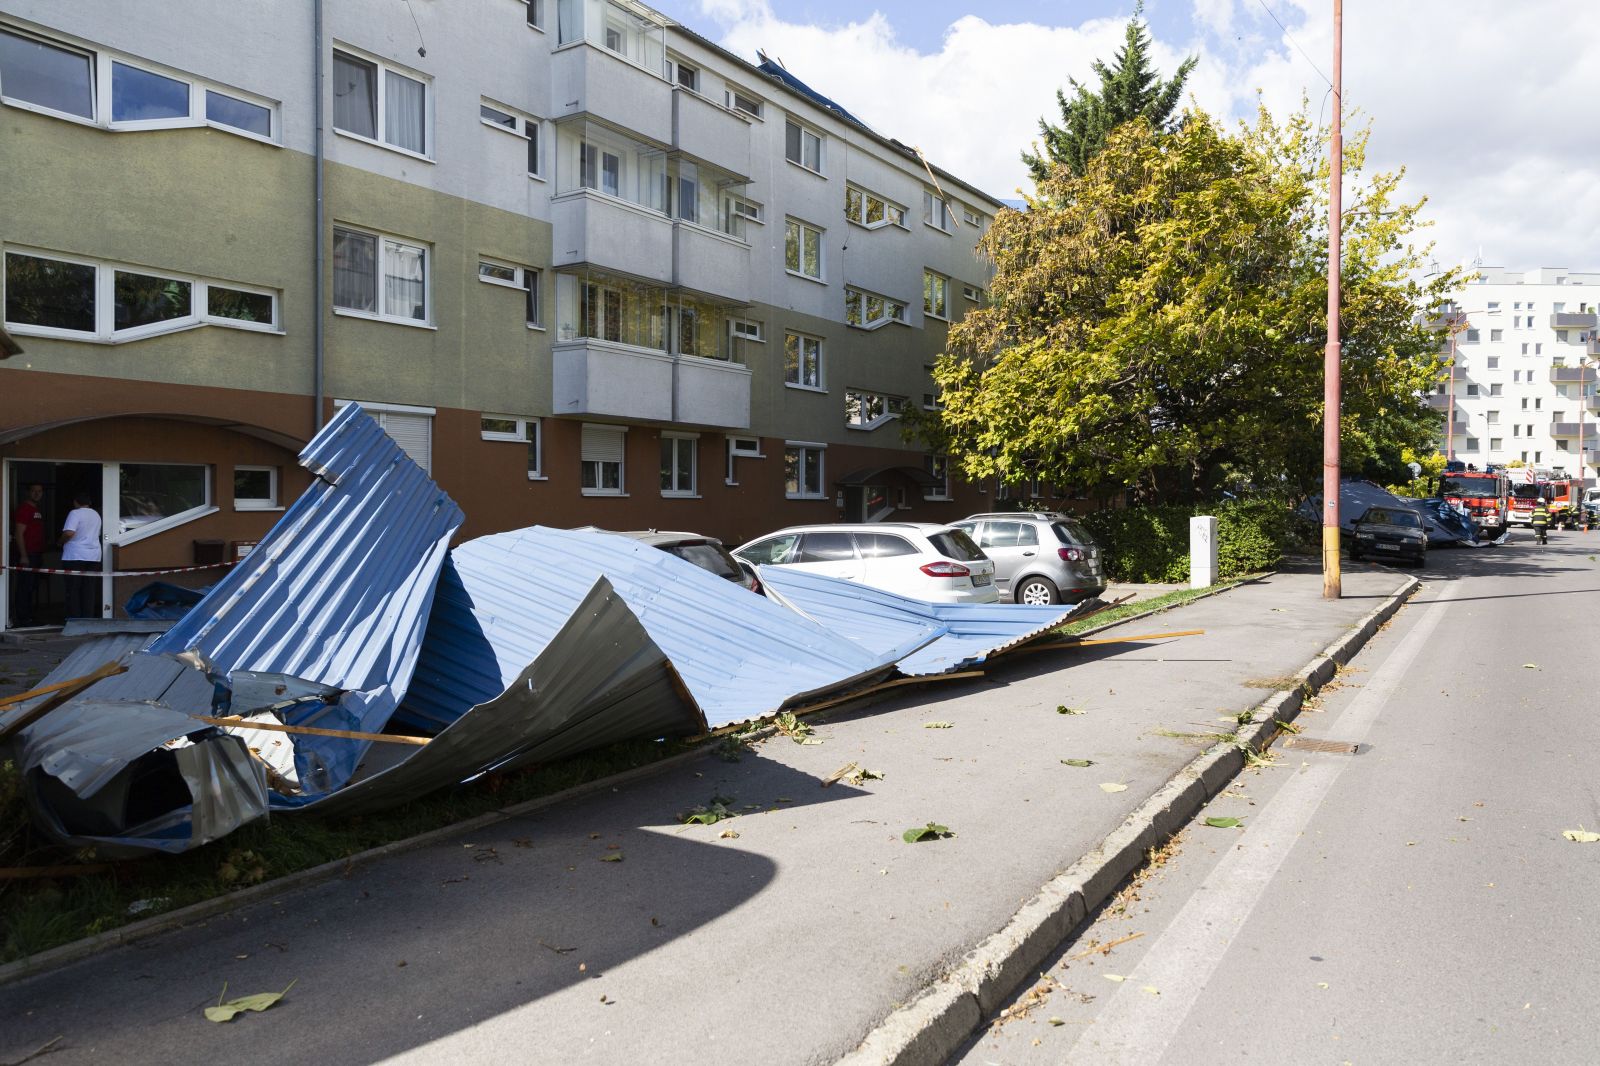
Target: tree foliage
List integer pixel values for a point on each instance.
(1129, 89)
(1159, 320)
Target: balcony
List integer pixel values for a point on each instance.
(595, 377)
(1570, 375)
(611, 234)
(591, 80)
(710, 262)
(1570, 429)
(710, 132)
(1573, 320)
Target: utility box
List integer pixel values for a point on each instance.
(207, 552)
(1202, 551)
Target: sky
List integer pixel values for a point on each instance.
(1488, 105)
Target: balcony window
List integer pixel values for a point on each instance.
(596, 306)
(596, 158)
(870, 210)
(802, 249)
(380, 276)
(627, 30)
(376, 102)
(709, 197)
(802, 146)
(868, 310)
(802, 360)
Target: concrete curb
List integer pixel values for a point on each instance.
(935, 1024)
(53, 958)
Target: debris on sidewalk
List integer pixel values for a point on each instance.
(226, 1012)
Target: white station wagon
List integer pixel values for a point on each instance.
(922, 560)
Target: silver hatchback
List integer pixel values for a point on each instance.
(1040, 557)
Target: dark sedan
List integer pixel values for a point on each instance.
(1389, 533)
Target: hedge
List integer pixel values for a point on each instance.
(1152, 543)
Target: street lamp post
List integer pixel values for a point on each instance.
(1332, 580)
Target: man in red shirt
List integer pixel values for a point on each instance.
(27, 549)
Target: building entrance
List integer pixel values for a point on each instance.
(41, 599)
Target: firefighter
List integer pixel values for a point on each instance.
(1541, 522)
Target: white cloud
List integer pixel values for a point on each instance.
(1490, 106)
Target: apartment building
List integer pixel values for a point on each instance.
(583, 264)
(1527, 352)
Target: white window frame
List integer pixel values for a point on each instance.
(936, 212)
(972, 293)
(940, 281)
(738, 447)
(681, 65)
(621, 433)
(528, 431)
(747, 329)
(971, 217)
(938, 466)
(378, 409)
(893, 214)
(679, 440)
(382, 315)
(798, 271)
(120, 537)
(821, 383)
(380, 91)
(250, 503)
(871, 323)
(804, 447)
(733, 94)
(105, 331)
(533, 14)
(524, 127)
(805, 131)
(892, 406)
(100, 92)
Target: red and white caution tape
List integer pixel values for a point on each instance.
(114, 573)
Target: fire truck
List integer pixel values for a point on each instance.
(1566, 503)
(1482, 495)
(1524, 494)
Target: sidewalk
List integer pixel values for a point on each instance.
(787, 942)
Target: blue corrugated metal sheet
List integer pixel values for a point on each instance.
(740, 655)
(337, 593)
(967, 633)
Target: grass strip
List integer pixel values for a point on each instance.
(1140, 608)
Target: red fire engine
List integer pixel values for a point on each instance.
(1482, 495)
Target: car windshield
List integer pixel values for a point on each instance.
(956, 545)
(1073, 533)
(707, 557)
(1528, 492)
(1467, 486)
(1385, 517)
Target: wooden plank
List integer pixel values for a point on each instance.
(63, 695)
(310, 730)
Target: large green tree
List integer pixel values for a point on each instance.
(1159, 320)
(1129, 89)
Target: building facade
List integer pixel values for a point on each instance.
(583, 264)
(1526, 354)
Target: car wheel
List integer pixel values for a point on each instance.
(1037, 592)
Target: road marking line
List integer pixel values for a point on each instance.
(1137, 1027)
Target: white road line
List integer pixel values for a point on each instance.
(1137, 1025)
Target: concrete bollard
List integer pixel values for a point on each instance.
(1202, 552)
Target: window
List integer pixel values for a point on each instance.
(255, 488)
(971, 217)
(1497, 334)
(802, 146)
(1538, 349)
(1494, 362)
(742, 101)
(1494, 307)
(376, 102)
(409, 427)
(1472, 390)
(678, 454)
(802, 249)
(157, 496)
(742, 448)
(802, 360)
(1524, 403)
(607, 307)
(1472, 444)
(52, 296)
(1471, 337)
(939, 467)
(802, 471)
(517, 430)
(935, 294)
(686, 76)
(1492, 417)
(1524, 347)
(870, 210)
(379, 276)
(520, 126)
(1496, 443)
(870, 311)
(602, 459)
(972, 292)
(46, 75)
(525, 279)
(1494, 390)
(1561, 335)
(869, 410)
(745, 329)
(935, 212)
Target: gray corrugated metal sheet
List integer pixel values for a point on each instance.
(741, 655)
(103, 770)
(599, 680)
(967, 633)
(337, 593)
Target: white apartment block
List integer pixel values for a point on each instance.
(1527, 352)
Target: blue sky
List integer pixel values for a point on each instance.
(1490, 106)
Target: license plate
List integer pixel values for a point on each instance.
(979, 580)
(1388, 547)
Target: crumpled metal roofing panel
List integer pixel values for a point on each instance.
(599, 680)
(337, 593)
(98, 771)
(740, 655)
(967, 633)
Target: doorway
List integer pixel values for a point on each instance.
(60, 481)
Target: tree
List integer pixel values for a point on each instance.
(1158, 321)
(1129, 89)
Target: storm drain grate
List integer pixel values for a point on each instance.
(1332, 747)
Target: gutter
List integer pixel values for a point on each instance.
(319, 327)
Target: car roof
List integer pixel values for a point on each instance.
(656, 537)
(1038, 516)
(921, 528)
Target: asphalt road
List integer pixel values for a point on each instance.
(1413, 903)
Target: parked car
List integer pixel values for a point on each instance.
(1040, 557)
(1389, 533)
(921, 560)
(708, 553)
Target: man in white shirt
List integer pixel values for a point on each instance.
(80, 550)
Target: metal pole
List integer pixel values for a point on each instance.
(1450, 426)
(1332, 585)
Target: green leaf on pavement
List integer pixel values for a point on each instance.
(931, 831)
(1112, 786)
(1058, 1021)
(1580, 835)
(614, 856)
(1077, 762)
(1222, 823)
(1064, 709)
(716, 810)
(1530, 666)
(224, 1012)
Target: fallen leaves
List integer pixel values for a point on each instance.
(1222, 823)
(1077, 762)
(613, 856)
(1112, 786)
(1580, 835)
(851, 773)
(793, 728)
(931, 831)
(1064, 709)
(225, 1012)
(1530, 666)
(938, 725)
(719, 808)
